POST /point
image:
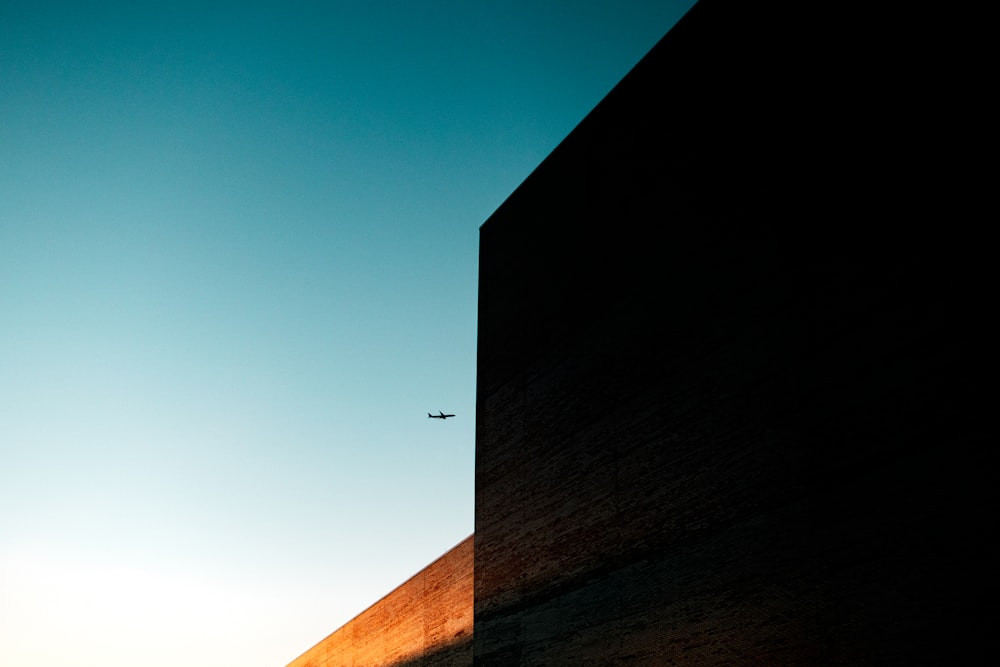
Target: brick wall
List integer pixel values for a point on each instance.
(728, 334)
(426, 621)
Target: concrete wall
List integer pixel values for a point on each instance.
(728, 334)
(426, 621)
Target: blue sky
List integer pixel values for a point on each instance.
(238, 257)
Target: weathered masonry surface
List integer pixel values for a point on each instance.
(426, 621)
(727, 350)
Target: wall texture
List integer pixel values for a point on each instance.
(426, 621)
(728, 337)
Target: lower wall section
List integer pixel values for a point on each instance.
(426, 621)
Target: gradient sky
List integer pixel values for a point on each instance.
(238, 263)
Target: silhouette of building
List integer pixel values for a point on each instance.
(724, 402)
(728, 339)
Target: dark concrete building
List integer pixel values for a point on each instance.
(729, 340)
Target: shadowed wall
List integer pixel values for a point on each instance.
(727, 333)
(426, 621)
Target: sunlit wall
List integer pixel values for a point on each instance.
(426, 620)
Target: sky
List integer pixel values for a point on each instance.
(238, 265)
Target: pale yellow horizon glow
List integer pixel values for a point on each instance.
(54, 610)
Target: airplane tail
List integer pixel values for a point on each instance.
(428, 414)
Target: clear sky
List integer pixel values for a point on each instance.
(238, 257)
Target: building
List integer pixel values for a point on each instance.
(729, 333)
(725, 408)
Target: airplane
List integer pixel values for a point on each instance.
(439, 415)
